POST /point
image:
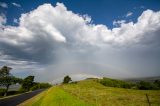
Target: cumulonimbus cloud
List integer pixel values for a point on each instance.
(41, 31)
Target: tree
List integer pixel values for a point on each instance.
(6, 79)
(5, 71)
(146, 85)
(66, 79)
(38, 85)
(28, 82)
(157, 82)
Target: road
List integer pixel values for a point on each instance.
(13, 101)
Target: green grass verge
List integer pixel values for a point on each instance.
(54, 96)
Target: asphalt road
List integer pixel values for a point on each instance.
(14, 101)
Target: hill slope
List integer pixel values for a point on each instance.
(91, 93)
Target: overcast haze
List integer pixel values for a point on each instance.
(51, 41)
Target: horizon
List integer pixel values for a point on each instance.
(51, 39)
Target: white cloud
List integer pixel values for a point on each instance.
(16, 4)
(65, 26)
(129, 14)
(4, 5)
(119, 22)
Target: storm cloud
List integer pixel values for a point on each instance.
(53, 41)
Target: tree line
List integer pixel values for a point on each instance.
(141, 85)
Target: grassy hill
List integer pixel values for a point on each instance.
(91, 93)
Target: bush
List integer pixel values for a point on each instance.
(2, 91)
(13, 92)
(142, 85)
(74, 82)
(44, 85)
(40, 86)
(35, 87)
(22, 90)
(147, 86)
(116, 83)
(157, 83)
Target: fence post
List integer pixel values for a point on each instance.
(148, 100)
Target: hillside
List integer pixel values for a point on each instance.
(91, 93)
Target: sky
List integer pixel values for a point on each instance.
(81, 38)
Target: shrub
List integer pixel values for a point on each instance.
(116, 83)
(45, 85)
(22, 90)
(157, 83)
(147, 85)
(13, 92)
(2, 91)
(74, 82)
(40, 86)
(35, 87)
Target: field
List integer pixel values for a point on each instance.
(91, 93)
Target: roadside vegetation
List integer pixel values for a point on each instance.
(7, 79)
(27, 84)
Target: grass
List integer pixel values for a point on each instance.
(54, 96)
(91, 93)
(95, 93)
